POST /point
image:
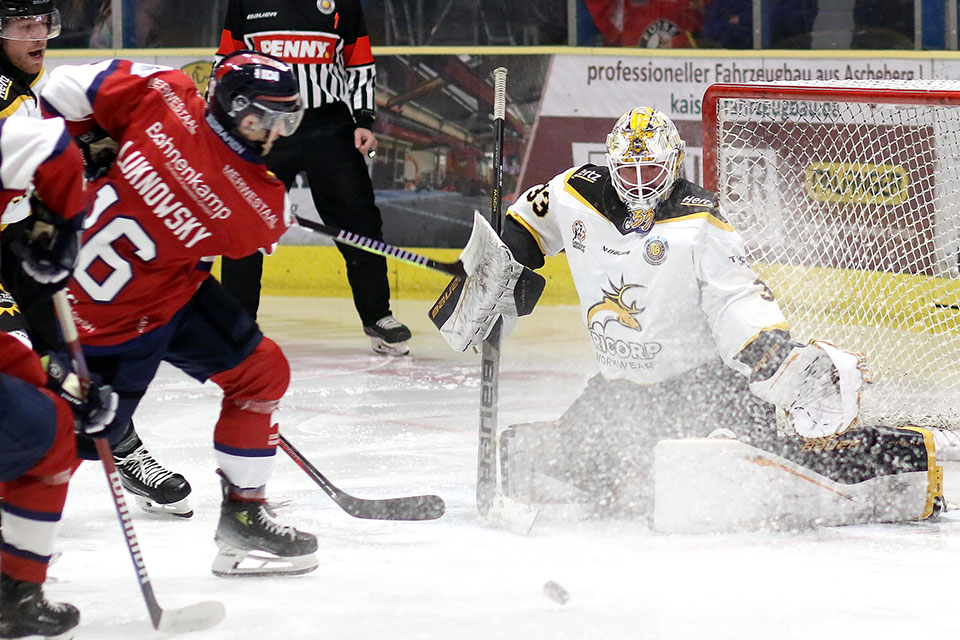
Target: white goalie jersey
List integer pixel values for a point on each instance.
(661, 294)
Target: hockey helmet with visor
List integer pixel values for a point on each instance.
(248, 82)
(29, 20)
(645, 157)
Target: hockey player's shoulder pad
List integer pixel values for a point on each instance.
(12, 95)
(8, 94)
(591, 184)
(690, 199)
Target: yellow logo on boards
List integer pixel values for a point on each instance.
(857, 182)
(199, 72)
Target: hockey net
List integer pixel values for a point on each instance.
(847, 197)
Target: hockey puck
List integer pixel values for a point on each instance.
(555, 592)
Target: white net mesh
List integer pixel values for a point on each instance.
(850, 211)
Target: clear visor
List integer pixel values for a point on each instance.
(281, 116)
(643, 182)
(30, 28)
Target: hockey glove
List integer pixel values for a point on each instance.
(470, 305)
(818, 386)
(99, 151)
(49, 246)
(94, 407)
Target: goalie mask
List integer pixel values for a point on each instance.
(247, 82)
(645, 156)
(29, 20)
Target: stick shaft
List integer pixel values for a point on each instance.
(69, 330)
(490, 350)
(381, 248)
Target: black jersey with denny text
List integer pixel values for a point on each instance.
(326, 41)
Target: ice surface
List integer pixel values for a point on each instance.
(380, 427)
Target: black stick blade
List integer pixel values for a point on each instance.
(426, 507)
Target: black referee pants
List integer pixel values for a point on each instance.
(342, 192)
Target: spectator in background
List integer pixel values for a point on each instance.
(789, 24)
(155, 23)
(728, 24)
(652, 24)
(884, 24)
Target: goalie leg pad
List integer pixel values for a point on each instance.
(873, 474)
(542, 465)
(526, 460)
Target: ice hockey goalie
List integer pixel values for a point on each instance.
(690, 342)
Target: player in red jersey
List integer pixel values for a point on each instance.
(189, 182)
(39, 411)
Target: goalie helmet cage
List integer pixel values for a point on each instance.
(847, 197)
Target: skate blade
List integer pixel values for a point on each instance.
(389, 348)
(179, 509)
(238, 563)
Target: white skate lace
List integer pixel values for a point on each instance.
(144, 465)
(388, 322)
(267, 517)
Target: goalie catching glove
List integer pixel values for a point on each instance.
(818, 385)
(494, 285)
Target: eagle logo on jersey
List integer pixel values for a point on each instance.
(614, 307)
(579, 235)
(326, 7)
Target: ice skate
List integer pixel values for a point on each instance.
(25, 613)
(251, 541)
(155, 489)
(388, 336)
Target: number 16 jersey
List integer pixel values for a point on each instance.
(182, 189)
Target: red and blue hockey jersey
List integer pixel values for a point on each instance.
(182, 189)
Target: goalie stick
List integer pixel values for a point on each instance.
(492, 505)
(426, 507)
(194, 617)
(527, 291)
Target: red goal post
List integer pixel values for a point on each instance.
(847, 196)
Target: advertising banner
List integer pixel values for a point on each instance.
(433, 167)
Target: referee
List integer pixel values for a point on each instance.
(326, 41)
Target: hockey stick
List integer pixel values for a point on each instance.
(427, 507)
(527, 291)
(490, 350)
(491, 504)
(195, 617)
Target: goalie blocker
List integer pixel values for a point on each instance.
(494, 285)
